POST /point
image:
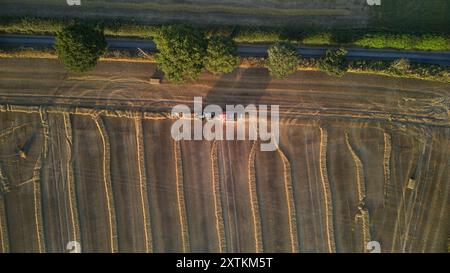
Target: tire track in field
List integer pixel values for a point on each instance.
(107, 181)
(408, 197)
(326, 189)
(290, 201)
(363, 212)
(428, 235)
(217, 200)
(143, 183)
(387, 153)
(73, 207)
(422, 176)
(254, 200)
(180, 197)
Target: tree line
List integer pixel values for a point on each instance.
(185, 51)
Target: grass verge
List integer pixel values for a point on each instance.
(339, 37)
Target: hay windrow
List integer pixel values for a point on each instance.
(298, 116)
(143, 183)
(326, 189)
(4, 239)
(363, 212)
(290, 201)
(180, 196)
(36, 179)
(254, 200)
(107, 181)
(217, 200)
(73, 207)
(387, 166)
(360, 181)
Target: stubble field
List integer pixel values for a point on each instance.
(122, 184)
(99, 166)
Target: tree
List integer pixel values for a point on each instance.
(334, 63)
(182, 50)
(221, 55)
(282, 60)
(79, 46)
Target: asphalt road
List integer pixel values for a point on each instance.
(247, 50)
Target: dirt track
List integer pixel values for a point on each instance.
(138, 190)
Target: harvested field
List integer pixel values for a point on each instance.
(162, 187)
(128, 180)
(99, 166)
(311, 197)
(225, 12)
(93, 182)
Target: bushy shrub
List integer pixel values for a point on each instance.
(182, 50)
(221, 55)
(334, 63)
(79, 46)
(282, 60)
(400, 67)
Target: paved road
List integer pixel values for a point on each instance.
(441, 58)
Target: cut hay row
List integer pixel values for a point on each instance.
(36, 178)
(217, 200)
(143, 183)
(156, 116)
(254, 199)
(180, 196)
(107, 182)
(326, 189)
(290, 201)
(4, 239)
(360, 181)
(363, 212)
(305, 113)
(387, 166)
(363, 216)
(73, 207)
